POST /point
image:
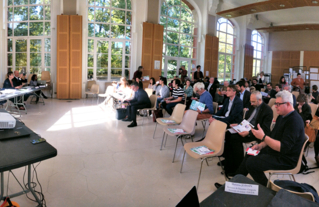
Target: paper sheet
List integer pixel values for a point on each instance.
(239, 188)
(313, 70)
(313, 76)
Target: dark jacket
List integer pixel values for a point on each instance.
(212, 90)
(295, 100)
(236, 111)
(141, 98)
(246, 99)
(272, 93)
(264, 118)
(137, 74)
(7, 84)
(306, 112)
(201, 76)
(315, 95)
(16, 82)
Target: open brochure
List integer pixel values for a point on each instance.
(264, 94)
(146, 78)
(197, 105)
(252, 152)
(176, 131)
(167, 121)
(244, 126)
(202, 150)
(221, 117)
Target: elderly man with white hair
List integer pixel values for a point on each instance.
(206, 99)
(280, 150)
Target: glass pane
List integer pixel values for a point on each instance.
(105, 3)
(127, 61)
(47, 45)
(116, 74)
(187, 28)
(47, 1)
(116, 61)
(102, 15)
(186, 40)
(21, 46)
(47, 10)
(185, 52)
(222, 27)
(90, 60)
(222, 47)
(20, 13)
(259, 55)
(10, 2)
(186, 14)
(117, 48)
(163, 21)
(36, 12)
(90, 45)
(230, 29)
(230, 39)
(172, 50)
(20, 29)
(172, 37)
(255, 38)
(101, 74)
(164, 9)
(9, 70)
(21, 59)
(174, 12)
(221, 63)
(35, 59)
(259, 47)
(35, 70)
(91, 30)
(118, 4)
(254, 44)
(227, 76)
(117, 31)
(20, 2)
(35, 45)
(229, 49)
(127, 74)
(118, 16)
(171, 69)
(36, 28)
(10, 14)
(10, 29)
(128, 4)
(102, 47)
(21, 69)
(47, 59)
(36, 1)
(102, 30)
(127, 47)
(9, 59)
(47, 29)
(102, 60)
(258, 63)
(128, 33)
(9, 45)
(129, 18)
(228, 63)
(173, 2)
(222, 37)
(90, 74)
(173, 24)
(91, 14)
(91, 2)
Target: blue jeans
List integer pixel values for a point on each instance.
(169, 107)
(159, 101)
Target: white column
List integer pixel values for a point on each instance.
(302, 53)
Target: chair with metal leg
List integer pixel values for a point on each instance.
(94, 91)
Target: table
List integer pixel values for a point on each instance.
(222, 198)
(16, 153)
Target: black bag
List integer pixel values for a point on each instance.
(157, 114)
(120, 114)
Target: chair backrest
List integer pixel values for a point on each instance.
(45, 75)
(271, 102)
(314, 108)
(215, 137)
(178, 113)
(95, 88)
(189, 121)
(29, 78)
(244, 113)
(306, 195)
(215, 106)
(149, 91)
(153, 99)
(89, 84)
(296, 93)
(274, 111)
(297, 168)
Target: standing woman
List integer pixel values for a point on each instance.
(139, 73)
(188, 89)
(283, 82)
(176, 98)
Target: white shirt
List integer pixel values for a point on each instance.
(229, 107)
(210, 85)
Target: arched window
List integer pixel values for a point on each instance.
(227, 47)
(180, 37)
(28, 36)
(109, 39)
(257, 41)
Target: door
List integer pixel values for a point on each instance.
(171, 68)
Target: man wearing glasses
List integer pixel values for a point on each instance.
(280, 150)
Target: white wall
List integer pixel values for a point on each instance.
(2, 43)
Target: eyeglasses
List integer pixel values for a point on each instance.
(278, 104)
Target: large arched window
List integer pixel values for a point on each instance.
(109, 39)
(257, 41)
(180, 37)
(227, 47)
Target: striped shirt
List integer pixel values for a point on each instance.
(178, 93)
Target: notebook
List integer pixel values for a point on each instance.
(17, 132)
(191, 199)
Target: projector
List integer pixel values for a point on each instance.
(7, 121)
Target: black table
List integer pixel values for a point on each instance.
(222, 198)
(20, 152)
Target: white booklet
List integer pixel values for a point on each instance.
(244, 126)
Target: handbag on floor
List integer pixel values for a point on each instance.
(120, 113)
(157, 114)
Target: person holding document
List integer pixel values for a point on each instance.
(206, 99)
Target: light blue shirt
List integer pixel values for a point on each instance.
(229, 107)
(242, 95)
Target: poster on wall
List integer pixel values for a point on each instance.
(157, 64)
(313, 70)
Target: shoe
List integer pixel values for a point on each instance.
(217, 185)
(127, 119)
(133, 124)
(221, 163)
(44, 96)
(143, 115)
(21, 108)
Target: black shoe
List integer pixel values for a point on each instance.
(44, 96)
(221, 163)
(143, 115)
(133, 124)
(217, 185)
(127, 119)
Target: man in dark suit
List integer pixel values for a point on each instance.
(140, 101)
(271, 93)
(211, 87)
(232, 111)
(243, 94)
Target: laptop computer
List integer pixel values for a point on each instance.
(42, 82)
(191, 199)
(17, 132)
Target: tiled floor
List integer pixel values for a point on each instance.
(101, 162)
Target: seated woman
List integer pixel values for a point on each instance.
(162, 91)
(314, 94)
(8, 84)
(152, 84)
(23, 79)
(34, 82)
(176, 98)
(188, 89)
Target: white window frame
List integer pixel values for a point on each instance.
(255, 71)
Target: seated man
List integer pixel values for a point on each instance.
(140, 101)
(280, 150)
(232, 110)
(243, 94)
(162, 91)
(258, 113)
(206, 99)
(271, 93)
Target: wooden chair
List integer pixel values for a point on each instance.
(296, 93)
(271, 102)
(215, 105)
(149, 91)
(94, 91)
(314, 108)
(108, 91)
(89, 84)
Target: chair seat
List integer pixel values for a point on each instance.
(174, 127)
(159, 121)
(282, 171)
(190, 145)
(152, 109)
